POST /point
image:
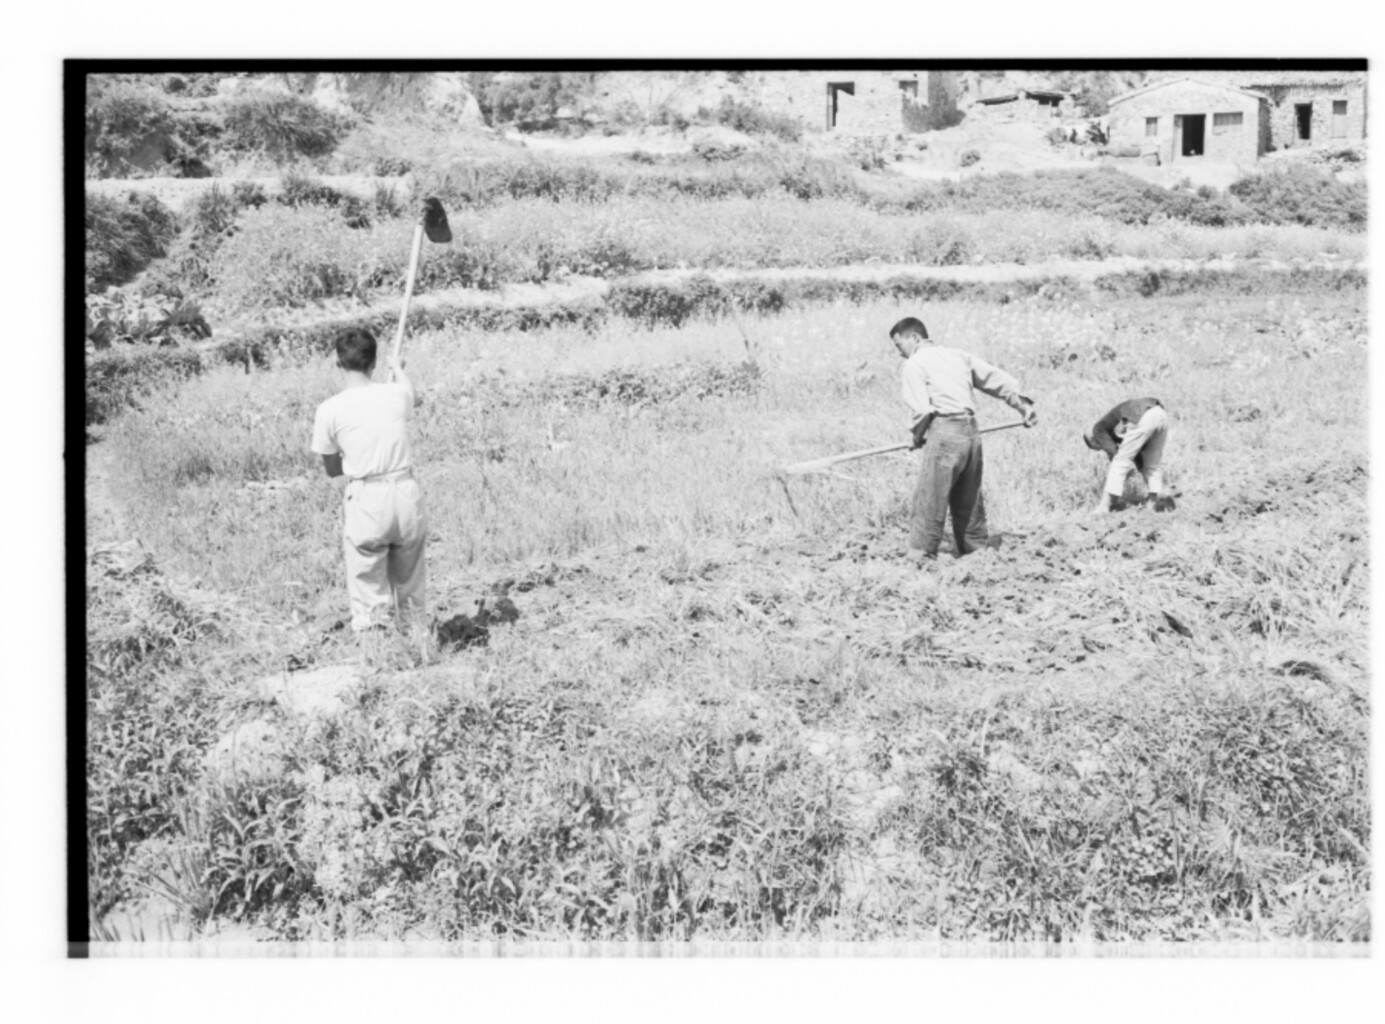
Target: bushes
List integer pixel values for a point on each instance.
(123, 236)
(753, 120)
(506, 98)
(1301, 194)
(124, 117)
(281, 126)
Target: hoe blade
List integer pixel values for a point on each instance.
(435, 224)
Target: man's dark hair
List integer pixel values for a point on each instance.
(356, 350)
(909, 324)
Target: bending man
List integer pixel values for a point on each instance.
(1132, 435)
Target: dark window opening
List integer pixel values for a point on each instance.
(1151, 127)
(1303, 118)
(910, 87)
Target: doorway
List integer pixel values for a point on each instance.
(1303, 121)
(835, 89)
(1194, 135)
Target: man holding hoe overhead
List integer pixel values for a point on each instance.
(362, 433)
(939, 386)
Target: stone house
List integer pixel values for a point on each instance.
(861, 102)
(1312, 108)
(1191, 119)
(1038, 105)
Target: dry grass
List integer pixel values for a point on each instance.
(723, 716)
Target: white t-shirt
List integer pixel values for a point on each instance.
(368, 426)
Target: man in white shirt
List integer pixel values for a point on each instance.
(939, 386)
(362, 434)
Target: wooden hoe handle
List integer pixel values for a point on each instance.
(815, 465)
(408, 290)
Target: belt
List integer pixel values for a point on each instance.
(394, 474)
(955, 415)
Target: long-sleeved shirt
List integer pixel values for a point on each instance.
(941, 381)
(1104, 431)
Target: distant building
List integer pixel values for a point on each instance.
(1312, 108)
(1024, 105)
(1191, 119)
(861, 102)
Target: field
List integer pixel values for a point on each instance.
(668, 693)
(729, 708)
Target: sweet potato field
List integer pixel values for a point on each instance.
(729, 707)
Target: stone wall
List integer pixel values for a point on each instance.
(879, 102)
(1175, 102)
(1324, 128)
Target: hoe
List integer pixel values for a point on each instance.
(433, 223)
(818, 465)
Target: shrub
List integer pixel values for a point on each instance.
(297, 189)
(281, 126)
(1302, 194)
(122, 117)
(970, 157)
(714, 152)
(753, 120)
(671, 118)
(508, 97)
(941, 242)
(123, 235)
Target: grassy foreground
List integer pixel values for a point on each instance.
(732, 711)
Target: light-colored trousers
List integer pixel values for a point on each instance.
(384, 533)
(1146, 439)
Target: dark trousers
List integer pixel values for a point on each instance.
(949, 480)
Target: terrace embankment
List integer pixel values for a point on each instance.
(671, 298)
